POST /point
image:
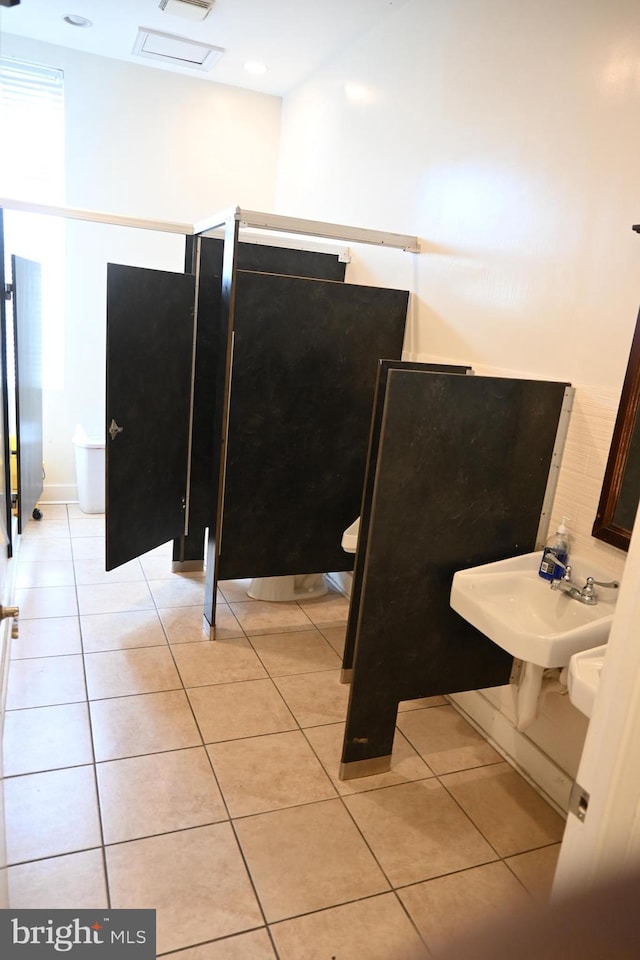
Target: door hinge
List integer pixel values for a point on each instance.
(578, 801)
(8, 291)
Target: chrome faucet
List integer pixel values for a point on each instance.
(586, 594)
(589, 595)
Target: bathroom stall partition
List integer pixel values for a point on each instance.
(296, 382)
(205, 254)
(459, 473)
(161, 477)
(383, 369)
(302, 388)
(251, 418)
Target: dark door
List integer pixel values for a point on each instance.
(6, 547)
(305, 360)
(27, 332)
(150, 333)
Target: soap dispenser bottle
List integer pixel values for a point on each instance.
(557, 548)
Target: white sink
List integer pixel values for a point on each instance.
(518, 610)
(584, 677)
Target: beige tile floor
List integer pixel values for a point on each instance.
(145, 766)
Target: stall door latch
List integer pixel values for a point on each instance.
(114, 429)
(579, 802)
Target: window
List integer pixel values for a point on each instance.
(32, 110)
(32, 169)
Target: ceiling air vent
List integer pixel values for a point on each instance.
(191, 9)
(180, 51)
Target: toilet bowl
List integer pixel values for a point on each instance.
(350, 537)
(302, 587)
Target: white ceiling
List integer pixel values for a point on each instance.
(292, 37)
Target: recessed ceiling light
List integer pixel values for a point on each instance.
(77, 21)
(254, 66)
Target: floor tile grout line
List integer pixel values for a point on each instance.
(52, 856)
(35, 773)
(251, 879)
(466, 814)
(367, 844)
(462, 769)
(41, 706)
(413, 923)
(48, 656)
(410, 740)
(281, 808)
(519, 880)
(168, 833)
(335, 906)
(225, 938)
(92, 740)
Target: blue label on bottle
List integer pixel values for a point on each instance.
(549, 569)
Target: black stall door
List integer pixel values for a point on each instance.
(150, 336)
(27, 332)
(305, 358)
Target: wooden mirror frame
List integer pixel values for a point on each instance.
(604, 527)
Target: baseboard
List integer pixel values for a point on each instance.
(187, 566)
(529, 760)
(59, 493)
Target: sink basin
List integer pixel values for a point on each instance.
(584, 677)
(518, 610)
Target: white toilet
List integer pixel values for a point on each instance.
(350, 537)
(302, 587)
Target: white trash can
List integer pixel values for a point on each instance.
(89, 471)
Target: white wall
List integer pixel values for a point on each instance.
(142, 143)
(505, 135)
(148, 143)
